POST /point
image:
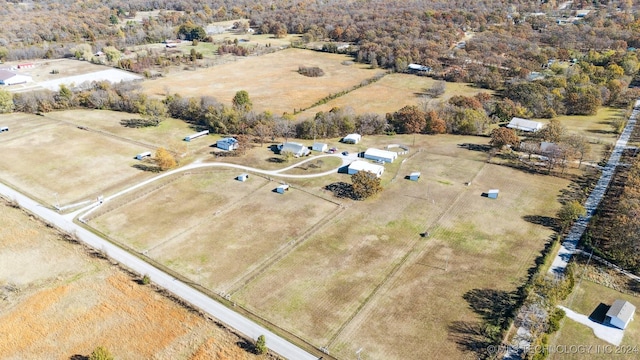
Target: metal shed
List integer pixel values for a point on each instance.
(493, 193)
(282, 189)
(414, 176)
(242, 177)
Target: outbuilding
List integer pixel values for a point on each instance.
(282, 189)
(414, 176)
(322, 147)
(352, 139)
(196, 135)
(242, 177)
(493, 193)
(296, 149)
(360, 165)
(4, 128)
(227, 143)
(380, 155)
(143, 155)
(525, 125)
(620, 314)
(10, 78)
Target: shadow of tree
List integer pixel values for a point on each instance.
(475, 147)
(495, 307)
(341, 190)
(78, 357)
(276, 160)
(471, 336)
(147, 167)
(546, 221)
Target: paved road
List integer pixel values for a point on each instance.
(185, 292)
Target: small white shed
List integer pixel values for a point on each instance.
(493, 193)
(242, 177)
(143, 155)
(414, 176)
(620, 314)
(282, 189)
(322, 147)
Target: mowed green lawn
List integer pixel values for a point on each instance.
(212, 228)
(50, 160)
(390, 94)
(585, 299)
(349, 292)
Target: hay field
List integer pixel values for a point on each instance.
(58, 302)
(269, 80)
(390, 94)
(226, 228)
(585, 299)
(45, 157)
(370, 280)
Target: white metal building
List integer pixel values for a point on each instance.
(352, 139)
(143, 155)
(10, 78)
(242, 177)
(360, 165)
(296, 149)
(196, 135)
(493, 193)
(620, 314)
(282, 189)
(521, 124)
(322, 147)
(380, 155)
(414, 176)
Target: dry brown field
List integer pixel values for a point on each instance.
(226, 228)
(369, 279)
(45, 157)
(271, 80)
(56, 301)
(65, 67)
(390, 94)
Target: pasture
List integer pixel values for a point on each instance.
(60, 303)
(57, 161)
(585, 299)
(268, 79)
(390, 94)
(227, 228)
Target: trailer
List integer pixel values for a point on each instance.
(4, 128)
(143, 155)
(196, 135)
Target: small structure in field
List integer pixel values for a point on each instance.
(242, 177)
(360, 165)
(380, 155)
(525, 125)
(10, 78)
(196, 135)
(493, 193)
(418, 67)
(414, 176)
(282, 189)
(4, 128)
(26, 66)
(352, 139)
(143, 155)
(296, 149)
(620, 314)
(322, 147)
(227, 143)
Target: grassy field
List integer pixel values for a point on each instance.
(215, 243)
(49, 157)
(58, 302)
(390, 94)
(585, 299)
(268, 79)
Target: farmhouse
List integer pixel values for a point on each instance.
(228, 144)
(380, 155)
(620, 314)
(322, 147)
(282, 189)
(10, 78)
(143, 155)
(196, 135)
(524, 125)
(296, 149)
(352, 139)
(360, 165)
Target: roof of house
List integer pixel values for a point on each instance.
(381, 153)
(360, 165)
(4, 74)
(546, 146)
(353, 136)
(319, 144)
(228, 140)
(622, 310)
(524, 124)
